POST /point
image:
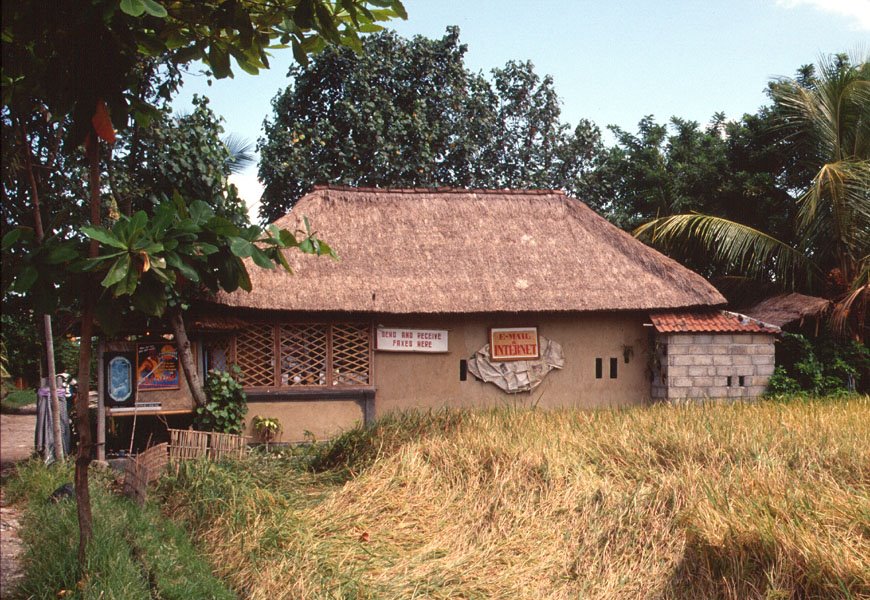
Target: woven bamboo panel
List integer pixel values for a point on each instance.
(255, 349)
(186, 444)
(303, 354)
(227, 446)
(217, 353)
(144, 469)
(350, 354)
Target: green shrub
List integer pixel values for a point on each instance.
(227, 404)
(822, 366)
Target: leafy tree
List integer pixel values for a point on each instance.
(409, 113)
(81, 63)
(823, 119)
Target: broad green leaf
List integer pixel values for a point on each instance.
(241, 247)
(154, 8)
(103, 236)
(117, 272)
(200, 212)
(260, 258)
(60, 254)
(25, 279)
(134, 8)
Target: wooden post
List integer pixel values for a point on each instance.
(101, 403)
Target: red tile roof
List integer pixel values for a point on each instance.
(719, 321)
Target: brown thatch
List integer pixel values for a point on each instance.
(468, 251)
(786, 309)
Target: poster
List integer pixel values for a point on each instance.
(157, 366)
(120, 387)
(514, 343)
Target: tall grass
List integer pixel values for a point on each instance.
(136, 553)
(767, 500)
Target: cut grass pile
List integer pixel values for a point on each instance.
(136, 553)
(766, 500)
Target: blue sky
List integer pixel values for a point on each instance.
(612, 62)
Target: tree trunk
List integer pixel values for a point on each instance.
(185, 356)
(52, 387)
(49, 340)
(83, 422)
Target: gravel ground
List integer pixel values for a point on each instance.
(16, 444)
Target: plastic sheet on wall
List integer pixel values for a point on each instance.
(518, 375)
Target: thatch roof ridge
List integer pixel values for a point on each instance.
(319, 187)
(435, 251)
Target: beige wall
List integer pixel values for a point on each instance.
(323, 418)
(406, 380)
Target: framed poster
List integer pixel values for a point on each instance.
(514, 343)
(118, 372)
(157, 367)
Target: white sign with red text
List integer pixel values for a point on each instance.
(391, 339)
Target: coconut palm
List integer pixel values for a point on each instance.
(825, 113)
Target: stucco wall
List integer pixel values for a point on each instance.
(406, 380)
(323, 418)
(698, 366)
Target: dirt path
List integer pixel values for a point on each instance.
(16, 444)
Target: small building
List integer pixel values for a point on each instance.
(465, 298)
(711, 354)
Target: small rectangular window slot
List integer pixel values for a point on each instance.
(741, 381)
(729, 381)
(463, 370)
(599, 368)
(613, 366)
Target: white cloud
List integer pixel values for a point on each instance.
(250, 190)
(857, 10)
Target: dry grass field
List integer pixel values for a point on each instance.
(765, 500)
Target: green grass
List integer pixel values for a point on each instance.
(732, 501)
(17, 399)
(136, 553)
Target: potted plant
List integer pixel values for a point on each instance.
(268, 429)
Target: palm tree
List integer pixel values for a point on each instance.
(825, 113)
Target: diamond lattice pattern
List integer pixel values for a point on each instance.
(217, 354)
(303, 354)
(350, 354)
(254, 350)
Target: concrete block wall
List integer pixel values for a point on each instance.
(712, 365)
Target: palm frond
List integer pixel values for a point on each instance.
(241, 153)
(737, 248)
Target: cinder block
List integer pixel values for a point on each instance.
(703, 381)
(720, 348)
(740, 349)
(702, 359)
(678, 349)
(702, 338)
(724, 370)
(741, 338)
(712, 371)
(741, 359)
(680, 382)
(720, 382)
(717, 392)
(683, 359)
(762, 338)
(755, 391)
(762, 359)
(678, 371)
(736, 392)
(679, 338)
(726, 360)
(697, 392)
(722, 338)
(765, 370)
(697, 371)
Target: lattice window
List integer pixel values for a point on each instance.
(217, 354)
(255, 350)
(304, 354)
(350, 354)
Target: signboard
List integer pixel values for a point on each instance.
(118, 370)
(157, 366)
(391, 339)
(514, 343)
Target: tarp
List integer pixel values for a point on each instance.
(518, 375)
(44, 428)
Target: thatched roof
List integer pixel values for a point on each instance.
(785, 309)
(441, 250)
